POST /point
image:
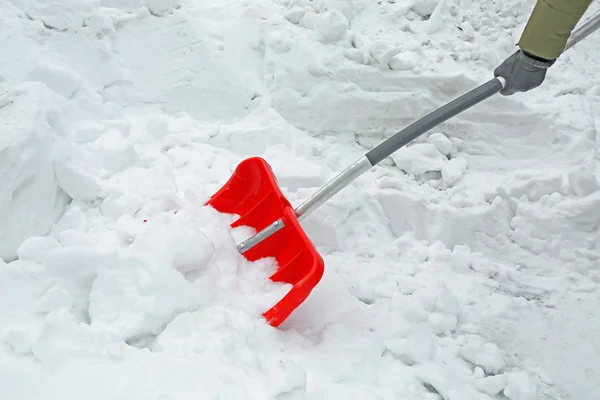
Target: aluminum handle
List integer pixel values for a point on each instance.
(583, 30)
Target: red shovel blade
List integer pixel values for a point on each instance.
(252, 193)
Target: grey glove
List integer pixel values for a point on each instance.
(522, 72)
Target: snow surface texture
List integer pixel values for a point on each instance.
(465, 267)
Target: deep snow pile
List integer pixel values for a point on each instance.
(466, 266)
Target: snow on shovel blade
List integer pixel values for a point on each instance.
(252, 193)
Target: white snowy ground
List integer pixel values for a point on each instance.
(466, 269)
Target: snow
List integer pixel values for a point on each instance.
(465, 266)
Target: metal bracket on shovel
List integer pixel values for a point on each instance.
(252, 192)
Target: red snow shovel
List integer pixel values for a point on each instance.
(253, 194)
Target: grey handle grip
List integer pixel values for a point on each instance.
(433, 119)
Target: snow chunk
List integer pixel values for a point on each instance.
(101, 22)
(405, 61)
(418, 347)
(383, 51)
(520, 386)
(442, 378)
(453, 170)
(357, 55)
(55, 299)
(533, 183)
(77, 171)
(73, 270)
(77, 264)
(289, 378)
(297, 174)
(161, 7)
(295, 14)
(61, 80)
(419, 158)
(332, 25)
(138, 301)
(491, 385)
(63, 338)
(20, 340)
(461, 258)
(87, 131)
(583, 182)
(126, 204)
(441, 142)
(171, 244)
(310, 20)
(30, 198)
(442, 322)
(113, 151)
(447, 302)
(61, 15)
(36, 248)
(157, 127)
(424, 8)
(485, 355)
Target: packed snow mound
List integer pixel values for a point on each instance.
(30, 197)
(176, 263)
(120, 119)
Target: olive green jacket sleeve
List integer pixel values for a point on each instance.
(550, 26)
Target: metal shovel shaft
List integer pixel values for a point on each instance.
(583, 30)
(405, 136)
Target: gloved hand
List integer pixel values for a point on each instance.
(522, 72)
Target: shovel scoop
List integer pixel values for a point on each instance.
(253, 194)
